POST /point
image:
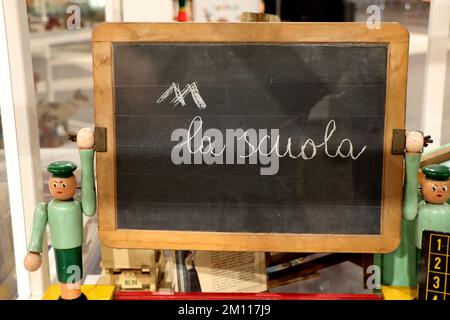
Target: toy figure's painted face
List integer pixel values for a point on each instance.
(435, 191)
(63, 188)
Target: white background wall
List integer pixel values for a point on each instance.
(147, 10)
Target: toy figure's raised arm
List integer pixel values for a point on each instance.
(414, 146)
(85, 140)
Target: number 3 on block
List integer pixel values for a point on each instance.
(437, 282)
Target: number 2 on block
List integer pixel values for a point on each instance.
(437, 264)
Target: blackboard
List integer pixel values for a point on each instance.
(294, 139)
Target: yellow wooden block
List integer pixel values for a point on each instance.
(398, 293)
(92, 292)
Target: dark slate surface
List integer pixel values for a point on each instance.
(297, 89)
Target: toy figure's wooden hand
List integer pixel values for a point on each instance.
(85, 138)
(414, 142)
(32, 261)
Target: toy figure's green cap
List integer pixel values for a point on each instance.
(61, 169)
(436, 172)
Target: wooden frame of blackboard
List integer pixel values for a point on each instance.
(393, 34)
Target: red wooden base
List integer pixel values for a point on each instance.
(148, 295)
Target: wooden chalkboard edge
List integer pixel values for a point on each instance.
(392, 192)
(250, 32)
(104, 117)
(178, 240)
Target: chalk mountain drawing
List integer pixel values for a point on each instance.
(180, 95)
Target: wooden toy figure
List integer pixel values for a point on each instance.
(182, 11)
(433, 213)
(64, 214)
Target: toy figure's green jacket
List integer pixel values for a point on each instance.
(65, 218)
(432, 217)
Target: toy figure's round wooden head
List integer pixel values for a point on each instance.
(62, 184)
(435, 186)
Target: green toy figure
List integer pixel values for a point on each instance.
(399, 268)
(182, 11)
(433, 213)
(64, 214)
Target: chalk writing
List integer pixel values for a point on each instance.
(181, 94)
(208, 147)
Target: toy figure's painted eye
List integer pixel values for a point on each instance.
(433, 188)
(64, 185)
(445, 188)
(54, 185)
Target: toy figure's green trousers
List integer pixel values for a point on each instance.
(65, 219)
